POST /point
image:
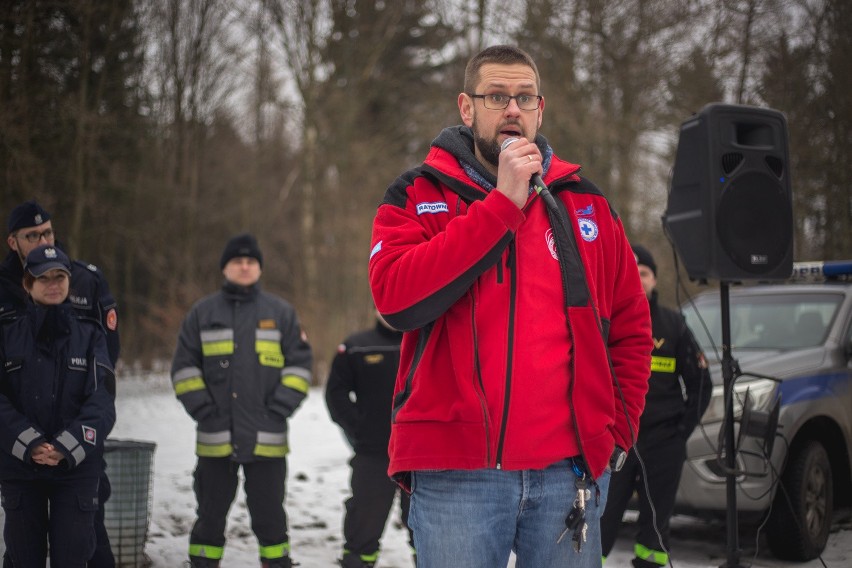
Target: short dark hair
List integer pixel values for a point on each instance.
(502, 55)
(27, 281)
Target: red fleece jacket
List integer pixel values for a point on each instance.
(495, 371)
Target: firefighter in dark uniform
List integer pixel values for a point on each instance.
(365, 369)
(30, 226)
(678, 394)
(241, 368)
(57, 402)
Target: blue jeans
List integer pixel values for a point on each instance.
(474, 518)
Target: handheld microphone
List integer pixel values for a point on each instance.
(537, 182)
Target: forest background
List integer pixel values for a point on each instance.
(153, 130)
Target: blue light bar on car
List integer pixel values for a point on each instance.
(822, 270)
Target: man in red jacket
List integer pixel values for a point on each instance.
(526, 353)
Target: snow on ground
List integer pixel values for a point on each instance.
(318, 479)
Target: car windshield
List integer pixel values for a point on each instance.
(771, 321)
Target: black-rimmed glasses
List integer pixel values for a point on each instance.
(36, 236)
(499, 101)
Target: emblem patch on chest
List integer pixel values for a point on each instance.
(588, 229)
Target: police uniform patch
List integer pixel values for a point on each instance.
(112, 320)
(90, 435)
(266, 324)
(374, 358)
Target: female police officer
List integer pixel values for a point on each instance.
(57, 402)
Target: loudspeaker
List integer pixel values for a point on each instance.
(730, 208)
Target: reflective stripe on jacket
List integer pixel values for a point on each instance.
(240, 369)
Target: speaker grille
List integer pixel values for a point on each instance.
(776, 165)
(754, 222)
(731, 161)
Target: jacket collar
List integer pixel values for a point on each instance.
(453, 160)
(243, 293)
(387, 332)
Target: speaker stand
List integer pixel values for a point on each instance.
(728, 363)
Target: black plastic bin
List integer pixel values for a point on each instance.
(130, 468)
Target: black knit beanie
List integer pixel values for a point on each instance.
(644, 256)
(241, 245)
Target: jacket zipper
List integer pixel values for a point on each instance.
(478, 372)
(510, 265)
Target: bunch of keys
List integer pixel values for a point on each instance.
(576, 519)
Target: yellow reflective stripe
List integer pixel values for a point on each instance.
(271, 360)
(271, 445)
(267, 451)
(206, 551)
(213, 444)
(189, 385)
(368, 558)
(265, 346)
(217, 451)
(663, 364)
(295, 382)
(275, 551)
(655, 556)
(216, 348)
(215, 342)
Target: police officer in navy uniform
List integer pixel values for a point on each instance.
(678, 394)
(29, 226)
(57, 404)
(364, 369)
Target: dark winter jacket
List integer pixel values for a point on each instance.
(241, 367)
(57, 385)
(365, 366)
(680, 387)
(90, 295)
(503, 366)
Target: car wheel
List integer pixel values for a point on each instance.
(798, 527)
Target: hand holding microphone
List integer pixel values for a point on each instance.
(515, 165)
(518, 168)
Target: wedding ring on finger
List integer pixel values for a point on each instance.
(529, 156)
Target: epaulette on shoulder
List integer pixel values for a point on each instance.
(87, 265)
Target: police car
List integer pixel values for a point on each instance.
(792, 407)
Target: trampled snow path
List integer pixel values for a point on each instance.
(318, 484)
